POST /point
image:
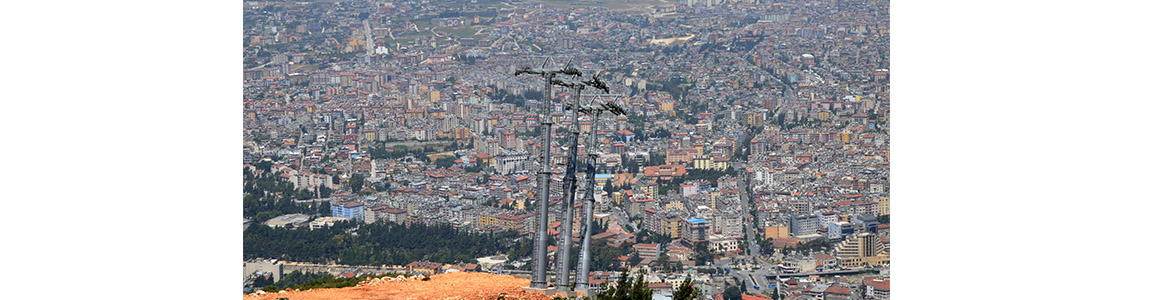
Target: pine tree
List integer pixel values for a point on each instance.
(639, 291)
(686, 291)
(625, 290)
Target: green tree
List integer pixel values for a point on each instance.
(375, 244)
(639, 291)
(620, 291)
(635, 260)
(304, 194)
(702, 253)
(324, 209)
(766, 248)
(475, 169)
(262, 281)
(356, 182)
(297, 278)
(686, 291)
(264, 165)
(445, 162)
(732, 293)
(626, 290)
(662, 261)
(523, 248)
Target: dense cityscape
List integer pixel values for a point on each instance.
(750, 158)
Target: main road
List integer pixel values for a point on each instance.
(369, 38)
(746, 207)
(755, 277)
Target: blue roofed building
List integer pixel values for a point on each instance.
(697, 229)
(349, 210)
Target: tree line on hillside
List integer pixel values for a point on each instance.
(266, 197)
(289, 280)
(375, 244)
(602, 256)
(318, 281)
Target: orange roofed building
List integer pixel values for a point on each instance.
(665, 172)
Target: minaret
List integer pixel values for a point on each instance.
(373, 168)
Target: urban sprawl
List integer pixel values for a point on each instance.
(752, 154)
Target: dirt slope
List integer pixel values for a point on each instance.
(458, 285)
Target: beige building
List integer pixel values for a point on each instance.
(296, 220)
(322, 222)
(864, 250)
(877, 288)
(702, 163)
(520, 223)
(720, 163)
(260, 266)
(673, 227)
(721, 244)
(648, 251)
(487, 221)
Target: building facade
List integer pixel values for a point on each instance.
(864, 250)
(803, 224)
(349, 210)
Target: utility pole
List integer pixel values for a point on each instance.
(540, 241)
(569, 194)
(590, 179)
(587, 209)
(570, 181)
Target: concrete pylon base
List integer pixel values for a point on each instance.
(554, 292)
(544, 291)
(537, 290)
(583, 292)
(568, 294)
